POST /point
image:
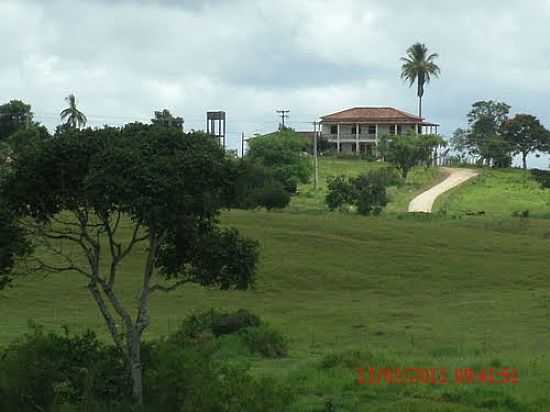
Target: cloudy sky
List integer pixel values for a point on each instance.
(124, 59)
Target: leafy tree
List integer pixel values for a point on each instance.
(14, 116)
(77, 195)
(283, 153)
(525, 134)
(164, 118)
(73, 117)
(418, 66)
(409, 150)
(483, 137)
(23, 139)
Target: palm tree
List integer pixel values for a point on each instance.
(418, 67)
(71, 115)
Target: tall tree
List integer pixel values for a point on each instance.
(525, 134)
(90, 198)
(73, 117)
(418, 66)
(14, 116)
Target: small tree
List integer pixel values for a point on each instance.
(367, 192)
(409, 150)
(525, 134)
(283, 153)
(79, 193)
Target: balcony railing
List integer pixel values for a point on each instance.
(351, 137)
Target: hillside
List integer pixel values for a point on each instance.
(408, 291)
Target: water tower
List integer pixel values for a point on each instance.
(215, 125)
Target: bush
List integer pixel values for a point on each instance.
(272, 195)
(367, 192)
(227, 324)
(186, 379)
(40, 371)
(214, 323)
(340, 192)
(49, 372)
(265, 341)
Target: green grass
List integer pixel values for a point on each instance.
(401, 290)
(498, 193)
(309, 200)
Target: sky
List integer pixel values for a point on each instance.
(124, 59)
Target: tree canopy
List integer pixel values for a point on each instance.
(165, 119)
(73, 117)
(419, 66)
(483, 137)
(14, 116)
(86, 190)
(409, 150)
(525, 134)
(284, 153)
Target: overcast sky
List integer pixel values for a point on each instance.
(123, 59)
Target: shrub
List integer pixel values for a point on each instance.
(40, 371)
(340, 192)
(186, 379)
(214, 323)
(367, 192)
(273, 195)
(233, 322)
(265, 341)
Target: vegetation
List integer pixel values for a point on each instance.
(419, 66)
(71, 193)
(409, 150)
(471, 275)
(492, 137)
(366, 192)
(164, 118)
(283, 153)
(498, 193)
(52, 372)
(14, 116)
(525, 134)
(309, 200)
(73, 117)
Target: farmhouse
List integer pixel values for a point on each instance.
(357, 130)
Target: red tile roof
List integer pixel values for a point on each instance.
(373, 115)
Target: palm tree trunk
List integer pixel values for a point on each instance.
(420, 106)
(524, 158)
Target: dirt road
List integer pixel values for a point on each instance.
(423, 203)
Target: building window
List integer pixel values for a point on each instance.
(372, 129)
(333, 129)
(354, 130)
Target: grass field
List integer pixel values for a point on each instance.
(406, 292)
(498, 193)
(440, 291)
(310, 201)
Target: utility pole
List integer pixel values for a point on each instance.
(315, 156)
(284, 115)
(242, 145)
